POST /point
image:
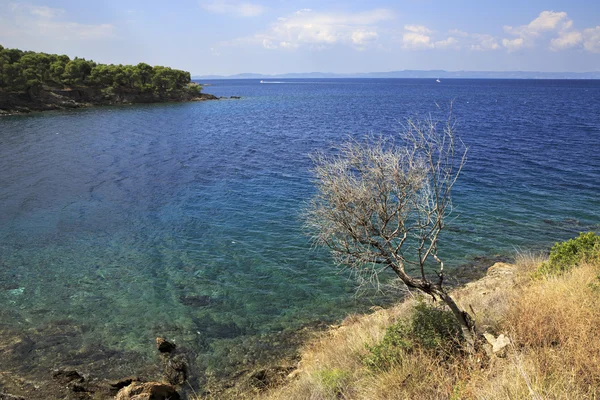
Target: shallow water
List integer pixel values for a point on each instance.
(182, 220)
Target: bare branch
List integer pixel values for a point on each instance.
(385, 202)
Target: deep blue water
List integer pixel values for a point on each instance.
(183, 219)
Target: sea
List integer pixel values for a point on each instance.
(122, 224)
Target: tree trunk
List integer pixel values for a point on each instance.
(467, 324)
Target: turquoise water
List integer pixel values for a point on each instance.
(182, 220)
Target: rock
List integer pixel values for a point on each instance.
(148, 391)
(498, 344)
(176, 370)
(66, 376)
(77, 388)
(235, 97)
(164, 346)
(116, 386)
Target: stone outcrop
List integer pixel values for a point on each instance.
(57, 99)
(148, 391)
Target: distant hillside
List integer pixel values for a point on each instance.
(419, 74)
(31, 81)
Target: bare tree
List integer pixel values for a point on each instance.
(382, 205)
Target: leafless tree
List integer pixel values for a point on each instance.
(381, 204)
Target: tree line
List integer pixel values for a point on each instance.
(22, 71)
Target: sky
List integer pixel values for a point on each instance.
(226, 37)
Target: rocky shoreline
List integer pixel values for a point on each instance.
(47, 99)
(32, 371)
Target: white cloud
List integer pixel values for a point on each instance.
(484, 42)
(417, 37)
(566, 40)
(320, 30)
(26, 20)
(557, 24)
(361, 30)
(362, 37)
(420, 37)
(420, 29)
(231, 7)
(288, 45)
(458, 33)
(514, 44)
(591, 39)
(448, 43)
(546, 22)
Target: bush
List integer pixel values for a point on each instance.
(391, 349)
(566, 255)
(435, 328)
(431, 328)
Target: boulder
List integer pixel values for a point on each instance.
(148, 391)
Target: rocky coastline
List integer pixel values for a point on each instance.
(46, 99)
(31, 370)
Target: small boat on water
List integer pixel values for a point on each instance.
(438, 80)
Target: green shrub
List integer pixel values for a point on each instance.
(334, 380)
(435, 328)
(566, 255)
(429, 327)
(389, 351)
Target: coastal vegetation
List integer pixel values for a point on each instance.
(45, 81)
(547, 320)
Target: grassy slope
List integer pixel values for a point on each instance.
(552, 322)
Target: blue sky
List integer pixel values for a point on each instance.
(230, 36)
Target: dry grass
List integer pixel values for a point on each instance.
(553, 323)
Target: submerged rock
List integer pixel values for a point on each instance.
(65, 376)
(164, 346)
(176, 369)
(148, 391)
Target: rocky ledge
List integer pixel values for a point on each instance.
(60, 99)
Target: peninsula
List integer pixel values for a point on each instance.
(31, 81)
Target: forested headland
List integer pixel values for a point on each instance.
(32, 81)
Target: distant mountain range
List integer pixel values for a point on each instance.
(418, 74)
